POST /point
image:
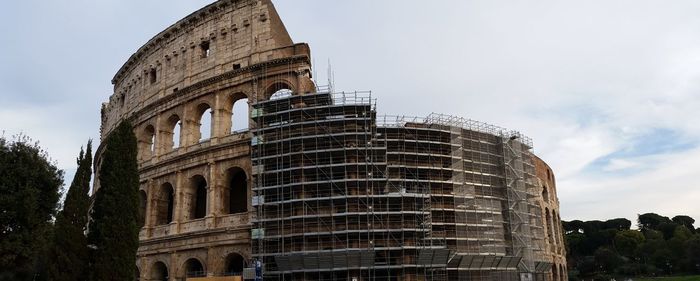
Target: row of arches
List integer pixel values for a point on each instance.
(554, 229)
(201, 122)
(234, 264)
(558, 272)
(169, 135)
(194, 204)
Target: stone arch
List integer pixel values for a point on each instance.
(562, 273)
(548, 220)
(198, 197)
(236, 191)
(193, 267)
(237, 111)
(146, 140)
(555, 272)
(545, 193)
(159, 272)
(278, 89)
(234, 263)
(240, 115)
(557, 228)
(171, 133)
(143, 202)
(165, 206)
(205, 121)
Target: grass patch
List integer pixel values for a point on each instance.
(675, 278)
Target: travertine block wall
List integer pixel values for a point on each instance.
(228, 51)
(553, 231)
(196, 196)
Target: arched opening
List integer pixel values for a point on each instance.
(545, 194)
(165, 205)
(205, 122)
(550, 233)
(147, 142)
(236, 195)
(143, 201)
(194, 268)
(171, 135)
(562, 273)
(240, 117)
(234, 265)
(198, 197)
(177, 130)
(555, 272)
(137, 274)
(279, 90)
(159, 272)
(557, 228)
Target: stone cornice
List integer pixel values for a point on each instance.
(132, 117)
(176, 29)
(216, 79)
(245, 140)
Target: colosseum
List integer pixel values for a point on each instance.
(249, 170)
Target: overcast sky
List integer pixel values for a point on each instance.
(609, 90)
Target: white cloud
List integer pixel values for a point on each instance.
(619, 165)
(585, 79)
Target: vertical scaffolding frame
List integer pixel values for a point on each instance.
(341, 194)
(518, 211)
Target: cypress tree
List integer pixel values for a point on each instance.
(113, 231)
(69, 253)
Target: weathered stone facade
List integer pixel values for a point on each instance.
(548, 201)
(196, 189)
(228, 51)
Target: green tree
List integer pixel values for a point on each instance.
(685, 221)
(69, 252)
(618, 224)
(113, 232)
(607, 260)
(29, 193)
(572, 226)
(651, 221)
(627, 242)
(668, 229)
(692, 251)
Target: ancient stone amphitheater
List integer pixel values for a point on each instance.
(244, 158)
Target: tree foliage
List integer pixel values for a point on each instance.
(685, 221)
(113, 232)
(661, 246)
(29, 193)
(69, 252)
(651, 221)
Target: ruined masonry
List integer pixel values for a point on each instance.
(244, 158)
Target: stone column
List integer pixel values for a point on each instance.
(179, 196)
(150, 200)
(212, 187)
(216, 119)
(187, 132)
(212, 262)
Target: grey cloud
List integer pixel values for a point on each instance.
(631, 66)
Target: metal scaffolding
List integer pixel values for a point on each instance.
(341, 194)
